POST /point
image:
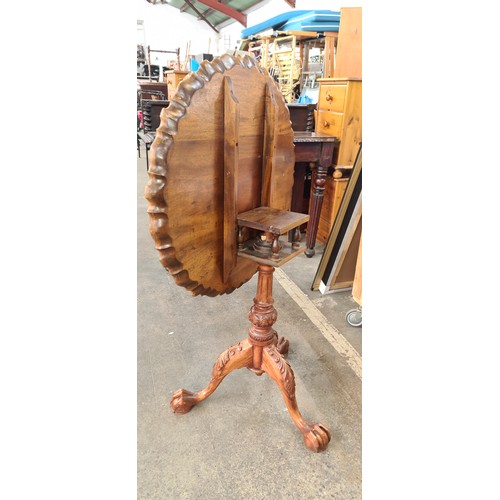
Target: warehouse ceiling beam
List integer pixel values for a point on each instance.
(225, 9)
(209, 11)
(201, 15)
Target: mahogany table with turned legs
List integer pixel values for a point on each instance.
(262, 351)
(316, 149)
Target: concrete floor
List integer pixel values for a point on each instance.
(241, 442)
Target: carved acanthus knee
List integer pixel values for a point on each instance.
(224, 358)
(280, 369)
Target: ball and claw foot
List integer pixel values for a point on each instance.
(282, 345)
(317, 438)
(182, 401)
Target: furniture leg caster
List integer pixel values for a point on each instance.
(354, 317)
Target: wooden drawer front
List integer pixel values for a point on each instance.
(332, 97)
(329, 123)
(171, 87)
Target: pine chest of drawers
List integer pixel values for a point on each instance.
(173, 78)
(338, 114)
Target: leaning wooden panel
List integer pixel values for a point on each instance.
(357, 286)
(340, 225)
(349, 49)
(345, 268)
(186, 175)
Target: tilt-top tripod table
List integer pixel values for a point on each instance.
(219, 193)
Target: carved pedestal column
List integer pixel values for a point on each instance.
(262, 315)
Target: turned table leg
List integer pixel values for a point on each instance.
(317, 196)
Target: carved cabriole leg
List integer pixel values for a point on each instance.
(237, 356)
(316, 436)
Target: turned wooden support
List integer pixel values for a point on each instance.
(317, 195)
(275, 247)
(296, 238)
(262, 315)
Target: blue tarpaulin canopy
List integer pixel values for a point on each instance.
(298, 20)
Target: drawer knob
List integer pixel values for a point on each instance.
(326, 124)
(329, 97)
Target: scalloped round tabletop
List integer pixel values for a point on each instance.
(185, 191)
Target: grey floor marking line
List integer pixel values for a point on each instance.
(336, 339)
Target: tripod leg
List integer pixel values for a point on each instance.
(316, 436)
(236, 356)
(282, 345)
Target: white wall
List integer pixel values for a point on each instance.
(166, 28)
